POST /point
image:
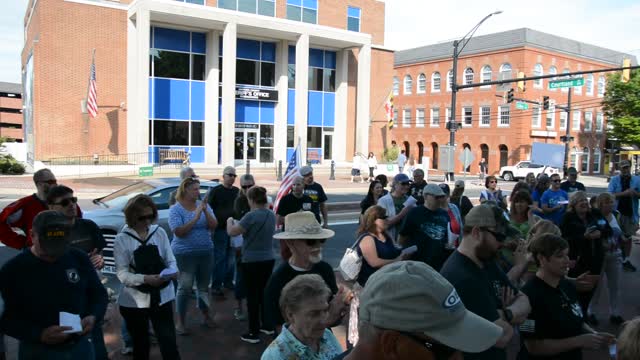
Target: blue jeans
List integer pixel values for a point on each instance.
(223, 257)
(81, 350)
(193, 267)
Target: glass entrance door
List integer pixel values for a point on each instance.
(246, 145)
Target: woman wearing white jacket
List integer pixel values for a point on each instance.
(146, 265)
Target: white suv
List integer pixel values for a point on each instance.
(521, 169)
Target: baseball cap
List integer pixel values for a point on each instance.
(411, 296)
(306, 170)
(459, 183)
(229, 170)
(445, 188)
(433, 189)
(401, 178)
(572, 170)
(489, 215)
(53, 230)
(625, 163)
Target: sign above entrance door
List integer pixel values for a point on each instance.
(254, 94)
(246, 126)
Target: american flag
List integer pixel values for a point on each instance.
(289, 175)
(92, 97)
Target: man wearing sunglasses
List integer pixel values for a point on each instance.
(305, 238)
(221, 199)
(554, 201)
(20, 214)
(408, 311)
(483, 287)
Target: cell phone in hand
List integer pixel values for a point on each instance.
(410, 250)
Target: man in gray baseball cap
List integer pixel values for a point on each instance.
(316, 192)
(409, 311)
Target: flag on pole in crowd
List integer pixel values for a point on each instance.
(92, 95)
(388, 109)
(292, 171)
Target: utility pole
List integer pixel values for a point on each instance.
(567, 133)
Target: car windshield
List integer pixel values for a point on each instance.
(120, 197)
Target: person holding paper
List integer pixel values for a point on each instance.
(42, 282)
(397, 203)
(146, 296)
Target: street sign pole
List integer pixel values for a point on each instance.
(567, 134)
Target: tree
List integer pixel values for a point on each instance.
(621, 105)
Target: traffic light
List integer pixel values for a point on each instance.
(521, 83)
(452, 126)
(626, 73)
(545, 102)
(510, 95)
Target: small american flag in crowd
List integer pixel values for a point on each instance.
(289, 175)
(92, 97)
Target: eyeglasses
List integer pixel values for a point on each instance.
(231, 175)
(313, 242)
(246, 187)
(493, 182)
(439, 351)
(50, 181)
(66, 201)
(499, 237)
(149, 217)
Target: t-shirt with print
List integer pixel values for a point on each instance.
(290, 204)
(221, 200)
(416, 192)
(555, 314)
(198, 239)
(398, 202)
(551, 198)
(260, 224)
(479, 289)
(317, 195)
(427, 229)
(86, 236)
(569, 187)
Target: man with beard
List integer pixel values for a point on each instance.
(483, 287)
(626, 189)
(20, 214)
(42, 283)
(305, 238)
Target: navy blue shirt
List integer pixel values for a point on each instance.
(36, 291)
(384, 249)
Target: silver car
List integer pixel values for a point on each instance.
(111, 219)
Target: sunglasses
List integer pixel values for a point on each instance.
(231, 175)
(313, 242)
(499, 237)
(493, 182)
(556, 181)
(66, 201)
(439, 351)
(246, 187)
(50, 182)
(149, 217)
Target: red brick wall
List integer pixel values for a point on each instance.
(518, 136)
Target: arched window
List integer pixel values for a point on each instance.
(538, 71)
(435, 82)
(408, 84)
(504, 155)
(449, 79)
(601, 85)
(486, 74)
(553, 71)
(422, 84)
(589, 84)
(585, 161)
(596, 160)
(468, 76)
(434, 155)
(505, 74)
(396, 86)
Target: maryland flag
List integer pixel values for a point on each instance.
(388, 109)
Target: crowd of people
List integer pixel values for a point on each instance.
(515, 277)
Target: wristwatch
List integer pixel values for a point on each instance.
(508, 315)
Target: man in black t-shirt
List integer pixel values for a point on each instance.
(294, 201)
(426, 227)
(417, 187)
(305, 238)
(483, 287)
(317, 194)
(572, 184)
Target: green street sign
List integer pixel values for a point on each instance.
(522, 105)
(565, 83)
(145, 171)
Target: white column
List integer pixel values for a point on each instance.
(212, 79)
(282, 84)
(138, 45)
(342, 94)
(362, 99)
(302, 94)
(229, 43)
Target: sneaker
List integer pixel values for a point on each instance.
(591, 320)
(267, 332)
(616, 319)
(126, 350)
(250, 338)
(628, 266)
(239, 315)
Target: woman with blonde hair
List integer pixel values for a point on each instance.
(629, 341)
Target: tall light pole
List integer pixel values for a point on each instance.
(453, 126)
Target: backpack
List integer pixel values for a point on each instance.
(148, 262)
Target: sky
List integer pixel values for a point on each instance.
(413, 23)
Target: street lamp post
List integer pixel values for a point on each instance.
(453, 126)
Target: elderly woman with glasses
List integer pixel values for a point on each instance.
(305, 305)
(492, 192)
(146, 295)
(191, 222)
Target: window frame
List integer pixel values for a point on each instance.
(483, 78)
(433, 82)
(407, 83)
(564, 116)
(257, 12)
(482, 116)
(597, 154)
(396, 86)
(449, 80)
(436, 123)
(359, 18)
(602, 84)
(536, 117)
(551, 115)
(466, 116)
(466, 79)
(406, 122)
(599, 122)
(302, 8)
(584, 155)
(588, 121)
(422, 83)
(553, 71)
(418, 123)
(538, 70)
(589, 84)
(504, 112)
(576, 118)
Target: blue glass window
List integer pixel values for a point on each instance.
(260, 7)
(353, 18)
(303, 10)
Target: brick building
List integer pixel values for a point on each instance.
(11, 111)
(226, 80)
(492, 129)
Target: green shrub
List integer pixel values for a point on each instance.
(10, 166)
(390, 154)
